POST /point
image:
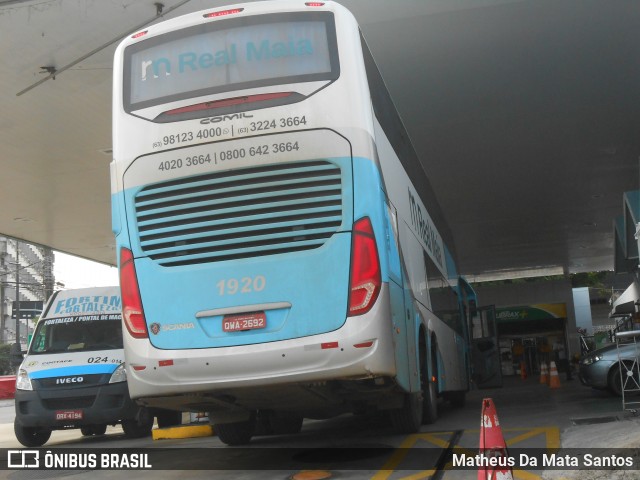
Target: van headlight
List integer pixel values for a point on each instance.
(23, 382)
(591, 360)
(120, 375)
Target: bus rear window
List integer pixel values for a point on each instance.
(229, 55)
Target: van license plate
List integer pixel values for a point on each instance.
(69, 415)
(244, 321)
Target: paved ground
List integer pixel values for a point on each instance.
(531, 416)
(587, 419)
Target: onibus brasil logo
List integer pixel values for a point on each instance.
(37, 459)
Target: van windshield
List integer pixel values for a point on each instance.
(77, 334)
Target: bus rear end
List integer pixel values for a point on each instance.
(252, 260)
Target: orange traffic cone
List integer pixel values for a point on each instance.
(492, 445)
(544, 373)
(554, 379)
(523, 371)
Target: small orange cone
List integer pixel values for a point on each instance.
(544, 373)
(554, 379)
(492, 445)
(523, 371)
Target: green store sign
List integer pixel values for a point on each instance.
(531, 312)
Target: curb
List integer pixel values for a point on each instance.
(182, 431)
(7, 387)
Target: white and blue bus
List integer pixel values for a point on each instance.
(281, 252)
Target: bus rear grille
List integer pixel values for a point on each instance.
(243, 213)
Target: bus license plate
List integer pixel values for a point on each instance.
(69, 415)
(244, 321)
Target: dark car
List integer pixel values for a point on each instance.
(612, 368)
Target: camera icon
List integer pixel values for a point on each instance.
(23, 459)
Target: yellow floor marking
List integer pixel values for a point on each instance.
(182, 431)
(312, 475)
(398, 455)
(550, 434)
(419, 475)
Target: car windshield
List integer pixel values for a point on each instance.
(77, 334)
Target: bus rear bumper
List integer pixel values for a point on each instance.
(361, 349)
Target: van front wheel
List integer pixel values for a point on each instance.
(31, 436)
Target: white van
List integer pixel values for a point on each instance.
(73, 374)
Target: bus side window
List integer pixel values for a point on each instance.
(443, 298)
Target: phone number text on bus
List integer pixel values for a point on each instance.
(227, 155)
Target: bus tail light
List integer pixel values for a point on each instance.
(223, 13)
(365, 277)
(132, 312)
(140, 34)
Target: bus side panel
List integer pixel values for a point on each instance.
(415, 293)
(405, 316)
(450, 369)
(398, 295)
(450, 357)
(118, 224)
(397, 298)
(401, 192)
(369, 200)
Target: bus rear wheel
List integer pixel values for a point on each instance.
(408, 418)
(277, 423)
(419, 407)
(140, 426)
(236, 433)
(430, 391)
